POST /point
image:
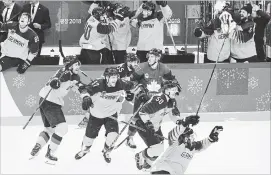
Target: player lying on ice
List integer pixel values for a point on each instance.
(182, 147)
(151, 117)
(104, 98)
(21, 45)
(52, 94)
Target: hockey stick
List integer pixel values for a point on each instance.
(170, 34)
(210, 77)
(31, 117)
(127, 124)
(113, 57)
(137, 127)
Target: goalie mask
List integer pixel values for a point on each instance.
(72, 63)
(111, 75)
(171, 88)
(132, 60)
(148, 9)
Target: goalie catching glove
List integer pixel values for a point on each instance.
(23, 66)
(192, 119)
(213, 137)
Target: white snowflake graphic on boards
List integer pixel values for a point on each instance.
(31, 101)
(195, 85)
(19, 81)
(75, 104)
(230, 75)
(263, 103)
(253, 83)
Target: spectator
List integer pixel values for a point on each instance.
(9, 12)
(261, 19)
(40, 19)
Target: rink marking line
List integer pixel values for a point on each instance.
(205, 117)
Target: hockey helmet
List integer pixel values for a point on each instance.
(70, 60)
(130, 57)
(98, 12)
(170, 84)
(154, 51)
(111, 71)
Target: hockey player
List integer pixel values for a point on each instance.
(151, 117)
(242, 36)
(124, 70)
(51, 101)
(150, 24)
(150, 74)
(103, 98)
(21, 45)
(218, 41)
(182, 148)
(95, 31)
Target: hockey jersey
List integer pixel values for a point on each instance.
(124, 71)
(177, 157)
(95, 33)
(68, 81)
(151, 30)
(151, 78)
(107, 100)
(218, 43)
(18, 44)
(242, 41)
(157, 108)
(120, 39)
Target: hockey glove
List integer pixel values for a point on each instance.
(213, 137)
(197, 32)
(192, 119)
(129, 96)
(150, 127)
(87, 103)
(55, 83)
(142, 96)
(162, 3)
(119, 13)
(23, 66)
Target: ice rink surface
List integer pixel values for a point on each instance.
(243, 148)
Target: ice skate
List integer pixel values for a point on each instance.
(130, 143)
(82, 153)
(35, 151)
(50, 159)
(140, 160)
(106, 155)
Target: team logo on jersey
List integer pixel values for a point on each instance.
(153, 86)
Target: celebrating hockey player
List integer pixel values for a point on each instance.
(150, 24)
(104, 99)
(242, 36)
(21, 45)
(51, 102)
(95, 31)
(150, 74)
(182, 147)
(151, 117)
(124, 70)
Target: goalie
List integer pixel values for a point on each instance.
(178, 155)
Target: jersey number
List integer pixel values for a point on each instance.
(159, 100)
(95, 83)
(87, 32)
(120, 69)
